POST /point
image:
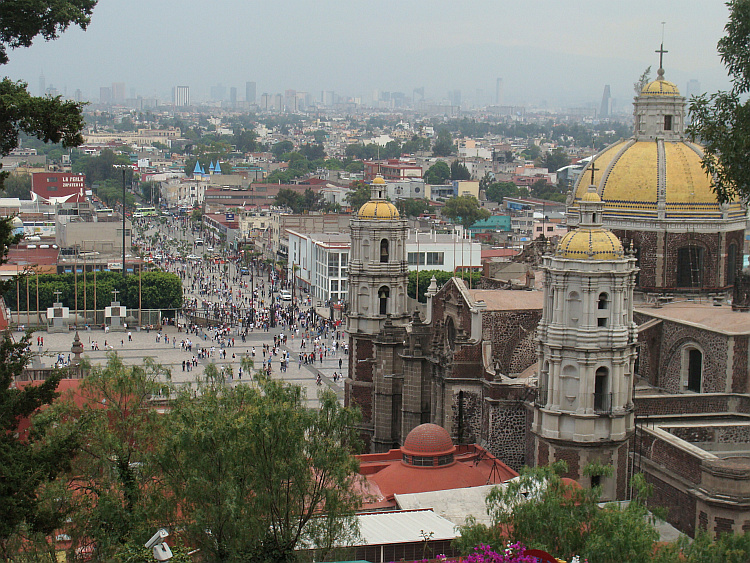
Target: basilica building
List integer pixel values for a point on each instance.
(629, 353)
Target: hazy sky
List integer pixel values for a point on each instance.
(561, 52)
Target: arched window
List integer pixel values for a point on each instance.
(602, 399)
(731, 264)
(690, 266)
(694, 359)
(383, 294)
(574, 307)
(603, 301)
(384, 251)
(450, 330)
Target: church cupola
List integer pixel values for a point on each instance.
(659, 109)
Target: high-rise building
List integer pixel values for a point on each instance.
(290, 101)
(454, 97)
(604, 110)
(78, 96)
(181, 96)
(105, 95)
(42, 85)
(250, 92)
(118, 92)
(265, 102)
(693, 88)
(499, 92)
(233, 96)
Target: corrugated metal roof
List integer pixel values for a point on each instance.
(403, 527)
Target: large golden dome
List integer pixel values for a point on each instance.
(590, 244)
(636, 178)
(378, 209)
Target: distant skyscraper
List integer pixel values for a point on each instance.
(604, 110)
(499, 92)
(42, 85)
(105, 95)
(77, 96)
(181, 96)
(233, 96)
(118, 92)
(693, 88)
(454, 96)
(250, 92)
(290, 101)
(265, 102)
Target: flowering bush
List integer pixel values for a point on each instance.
(513, 553)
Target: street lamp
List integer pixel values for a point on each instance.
(123, 167)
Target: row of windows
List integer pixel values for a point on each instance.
(429, 258)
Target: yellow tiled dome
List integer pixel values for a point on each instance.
(590, 244)
(378, 180)
(627, 177)
(378, 209)
(660, 88)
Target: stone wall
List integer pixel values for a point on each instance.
(513, 337)
(645, 243)
(690, 403)
(715, 356)
(506, 432)
(710, 244)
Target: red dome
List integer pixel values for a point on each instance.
(428, 440)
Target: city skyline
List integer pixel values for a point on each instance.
(547, 55)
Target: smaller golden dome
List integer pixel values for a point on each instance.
(660, 88)
(590, 244)
(378, 209)
(591, 196)
(378, 180)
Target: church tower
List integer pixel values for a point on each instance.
(658, 197)
(378, 276)
(587, 351)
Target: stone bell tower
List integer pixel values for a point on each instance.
(378, 276)
(587, 350)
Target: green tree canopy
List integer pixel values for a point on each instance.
(111, 494)
(282, 147)
(542, 511)
(444, 144)
(721, 121)
(18, 185)
(257, 473)
(359, 195)
(245, 140)
(412, 207)
(464, 209)
(555, 159)
(499, 190)
(101, 168)
(438, 173)
(459, 171)
(288, 198)
(28, 460)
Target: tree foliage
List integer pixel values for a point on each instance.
(101, 168)
(459, 171)
(721, 121)
(555, 159)
(441, 278)
(438, 173)
(412, 207)
(159, 290)
(443, 144)
(256, 473)
(27, 459)
(499, 190)
(359, 195)
(542, 511)
(18, 185)
(22, 21)
(110, 494)
(465, 209)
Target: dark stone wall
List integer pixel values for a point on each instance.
(715, 356)
(646, 243)
(507, 432)
(513, 337)
(739, 365)
(680, 506)
(710, 244)
(649, 350)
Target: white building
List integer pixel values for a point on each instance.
(449, 252)
(319, 263)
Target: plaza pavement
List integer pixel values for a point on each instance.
(144, 345)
